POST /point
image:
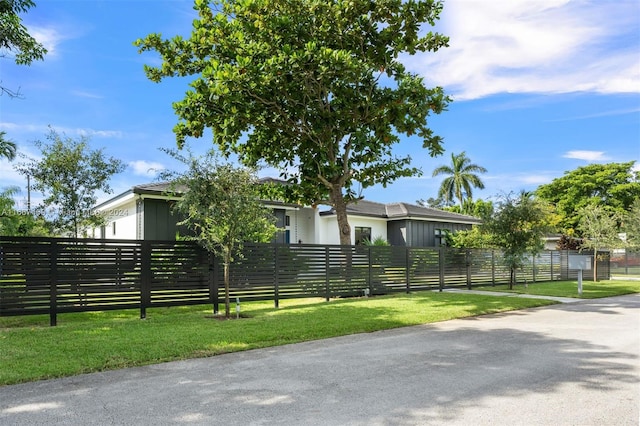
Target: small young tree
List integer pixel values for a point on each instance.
(221, 206)
(69, 175)
(599, 228)
(517, 227)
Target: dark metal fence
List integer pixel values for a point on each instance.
(52, 276)
(625, 262)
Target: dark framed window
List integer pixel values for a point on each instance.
(363, 234)
(440, 237)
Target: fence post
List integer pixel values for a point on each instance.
(327, 280)
(276, 290)
(213, 283)
(467, 262)
(441, 266)
(408, 266)
(626, 262)
(145, 279)
(119, 268)
(53, 285)
(493, 267)
(370, 272)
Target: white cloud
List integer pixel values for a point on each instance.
(44, 129)
(586, 155)
(47, 36)
(84, 94)
(98, 133)
(535, 46)
(146, 168)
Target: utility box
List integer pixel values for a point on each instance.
(580, 262)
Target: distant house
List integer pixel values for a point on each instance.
(144, 213)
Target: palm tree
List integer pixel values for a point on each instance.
(462, 177)
(7, 148)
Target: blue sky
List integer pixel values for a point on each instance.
(540, 87)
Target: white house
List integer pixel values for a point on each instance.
(144, 212)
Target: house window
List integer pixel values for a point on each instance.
(287, 221)
(362, 234)
(440, 237)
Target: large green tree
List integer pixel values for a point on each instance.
(70, 174)
(221, 207)
(613, 185)
(15, 39)
(462, 177)
(314, 88)
(517, 227)
(8, 148)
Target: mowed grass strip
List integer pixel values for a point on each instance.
(590, 289)
(97, 341)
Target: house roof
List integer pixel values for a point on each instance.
(399, 211)
(156, 188)
(162, 189)
(390, 211)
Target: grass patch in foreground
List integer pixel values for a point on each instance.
(88, 342)
(590, 289)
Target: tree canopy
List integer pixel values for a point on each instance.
(69, 175)
(517, 227)
(613, 185)
(598, 226)
(461, 179)
(19, 222)
(314, 88)
(15, 39)
(631, 225)
(8, 148)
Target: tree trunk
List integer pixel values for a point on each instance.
(595, 265)
(512, 275)
(340, 206)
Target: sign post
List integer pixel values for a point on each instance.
(579, 262)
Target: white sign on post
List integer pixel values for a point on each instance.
(579, 262)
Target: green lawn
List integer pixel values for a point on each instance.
(96, 341)
(590, 289)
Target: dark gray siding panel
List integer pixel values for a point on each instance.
(159, 222)
(281, 236)
(396, 231)
(418, 233)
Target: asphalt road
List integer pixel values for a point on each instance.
(570, 364)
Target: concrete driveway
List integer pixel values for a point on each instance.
(570, 364)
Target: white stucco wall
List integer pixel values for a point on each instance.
(303, 225)
(327, 229)
(122, 212)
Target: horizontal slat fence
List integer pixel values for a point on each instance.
(52, 276)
